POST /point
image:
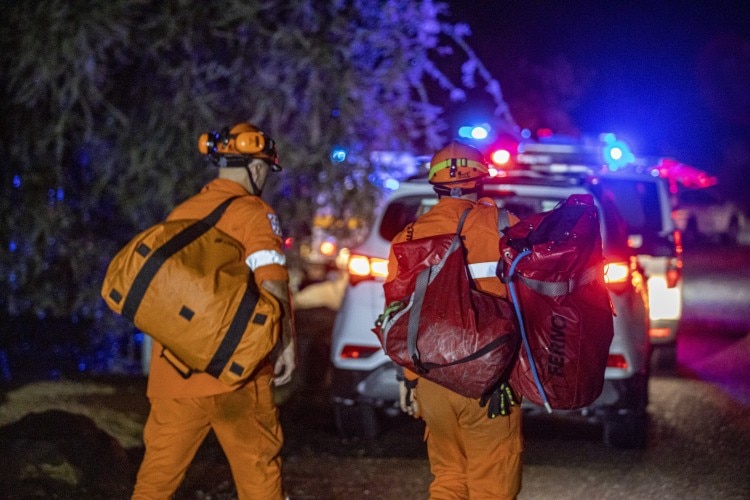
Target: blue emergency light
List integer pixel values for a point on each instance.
(475, 132)
(616, 153)
(338, 154)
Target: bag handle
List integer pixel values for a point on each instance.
(184, 370)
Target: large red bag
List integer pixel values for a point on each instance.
(556, 270)
(438, 326)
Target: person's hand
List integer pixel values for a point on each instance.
(285, 360)
(285, 365)
(407, 401)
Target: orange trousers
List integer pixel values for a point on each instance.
(471, 456)
(246, 425)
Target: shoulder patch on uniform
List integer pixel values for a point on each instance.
(275, 224)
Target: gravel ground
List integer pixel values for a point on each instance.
(317, 463)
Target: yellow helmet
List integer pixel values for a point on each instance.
(231, 148)
(458, 165)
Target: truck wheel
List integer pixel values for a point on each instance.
(664, 358)
(626, 431)
(733, 232)
(691, 235)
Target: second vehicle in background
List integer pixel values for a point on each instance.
(706, 215)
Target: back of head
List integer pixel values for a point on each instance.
(238, 146)
(457, 169)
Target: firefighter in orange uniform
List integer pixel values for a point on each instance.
(472, 455)
(245, 420)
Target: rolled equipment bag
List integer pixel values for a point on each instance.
(185, 283)
(564, 304)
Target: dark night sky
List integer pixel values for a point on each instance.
(654, 63)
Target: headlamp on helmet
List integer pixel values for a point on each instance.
(233, 148)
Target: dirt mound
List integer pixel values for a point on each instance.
(56, 454)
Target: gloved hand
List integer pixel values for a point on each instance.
(499, 401)
(408, 404)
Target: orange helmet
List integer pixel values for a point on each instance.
(458, 165)
(232, 148)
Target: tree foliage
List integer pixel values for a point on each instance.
(102, 104)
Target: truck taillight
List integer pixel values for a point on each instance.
(617, 361)
(674, 271)
(351, 351)
(674, 265)
(363, 268)
(659, 333)
(673, 276)
(677, 238)
(616, 272)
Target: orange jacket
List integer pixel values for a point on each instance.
(480, 236)
(253, 223)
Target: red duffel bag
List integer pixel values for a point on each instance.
(555, 271)
(437, 326)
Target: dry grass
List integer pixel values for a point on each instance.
(120, 412)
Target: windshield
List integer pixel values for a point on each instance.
(405, 210)
(636, 200)
(402, 211)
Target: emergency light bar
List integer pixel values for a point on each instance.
(580, 158)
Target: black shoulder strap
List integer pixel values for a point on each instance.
(155, 260)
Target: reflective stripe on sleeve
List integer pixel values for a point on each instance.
(263, 258)
(483, 270)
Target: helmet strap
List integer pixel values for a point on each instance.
(457, 192)
(256, 191)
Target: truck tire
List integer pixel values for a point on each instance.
(691, 234)
(626, 431)
(733, 232)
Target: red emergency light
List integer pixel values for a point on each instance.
(685, 175)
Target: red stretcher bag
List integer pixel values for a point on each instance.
(554, 267)
(438, 326)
